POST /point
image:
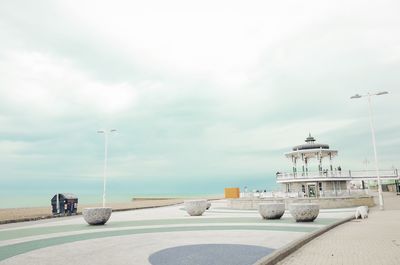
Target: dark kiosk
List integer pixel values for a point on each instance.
(64, 204)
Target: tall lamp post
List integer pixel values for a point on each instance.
(369, 95)
(106, 132)
(366, 162)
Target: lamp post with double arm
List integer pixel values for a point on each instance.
(371, 121)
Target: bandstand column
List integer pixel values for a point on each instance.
(302, 159)
(306, 162)
(294, 165)
(320, 160)
(320, 164)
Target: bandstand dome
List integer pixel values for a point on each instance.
(311, 150)
(310, 144)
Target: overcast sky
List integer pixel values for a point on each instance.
(196, 89)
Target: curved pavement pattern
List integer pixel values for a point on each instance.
(143, 236)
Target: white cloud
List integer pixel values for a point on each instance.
(224, 43)
(8, 147)
(269, 137)
(49, 85)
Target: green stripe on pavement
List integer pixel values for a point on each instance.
(26, 232)
(21, 248)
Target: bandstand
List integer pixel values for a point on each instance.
(314, 173)
(316, 177)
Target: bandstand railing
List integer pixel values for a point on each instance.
(321, 194)
(358, 174)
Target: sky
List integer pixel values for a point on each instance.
(203, 94)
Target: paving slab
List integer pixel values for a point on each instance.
(375, 240)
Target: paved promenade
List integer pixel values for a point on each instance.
(159, 236)
(375, 240)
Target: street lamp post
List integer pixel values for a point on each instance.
(366, 162)
(369, 95)
(106, 132)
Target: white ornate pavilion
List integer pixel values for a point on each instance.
(315, 175)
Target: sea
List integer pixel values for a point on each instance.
(17, 194)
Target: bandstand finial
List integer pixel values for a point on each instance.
(310, 139)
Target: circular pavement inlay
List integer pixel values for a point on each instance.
(209, 254)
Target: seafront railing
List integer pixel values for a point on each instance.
(321, 194)
(349, 174)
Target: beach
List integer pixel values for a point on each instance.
(34, 213)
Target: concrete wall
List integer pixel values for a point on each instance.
(328, 186)
(295, 187)
(324, 203)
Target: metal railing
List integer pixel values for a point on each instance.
(321, 194)
(359, 174)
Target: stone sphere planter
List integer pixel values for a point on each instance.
(195, 207)
(97, 216)
(304, 212)
(272, 210)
